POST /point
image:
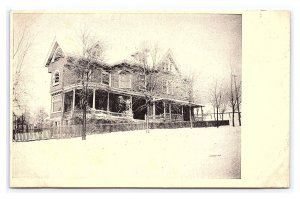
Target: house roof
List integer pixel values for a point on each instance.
(134, 64)
(51, 51)
(56, 43)
(122, 63)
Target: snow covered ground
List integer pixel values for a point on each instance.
(179, 154)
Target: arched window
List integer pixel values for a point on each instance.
(56, 78)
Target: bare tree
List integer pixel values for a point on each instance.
(216, 101)
(238, 94)
(195, 92)
(147, 57)
(84, 66)
(231, 99)
(22, 43)
(40, 117)
(223, 107)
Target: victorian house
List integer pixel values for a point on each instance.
(116, 91)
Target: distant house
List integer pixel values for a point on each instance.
(116, 91)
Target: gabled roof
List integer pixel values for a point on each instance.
(123, 63)
(168, 55)
(51, 53)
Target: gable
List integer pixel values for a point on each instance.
(168, 63)
(54, 54)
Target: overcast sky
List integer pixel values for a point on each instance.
(207, 45)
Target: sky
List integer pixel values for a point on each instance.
(206, 46)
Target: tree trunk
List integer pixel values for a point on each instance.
(191, 122)
(239, 115)
(233, 116)
(84, 114)
(217, 117)
(237, 102)
(83, 123)
(147, 118)
(215, 114)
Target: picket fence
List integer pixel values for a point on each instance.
(71, 131)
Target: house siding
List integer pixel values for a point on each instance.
(68, 77)
(57, 66)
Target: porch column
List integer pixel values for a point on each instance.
(164, 104)
(63, 101)
(153, 108)
(94, 96)
(202, 113)
(170, 111)
(107, 107)
(182, 111)
(191, 123)
(73, 103)
(131, 104)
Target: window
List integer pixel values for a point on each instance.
(124, 81)
(56, 106)
(168, 87)
(164, 86)
(56, 78)
(56, 103)
(105, 78)
(167, 65)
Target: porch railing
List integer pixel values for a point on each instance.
(167, 117)
(107, 113)
(99, 113)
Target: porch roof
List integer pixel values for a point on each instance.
(182, 102)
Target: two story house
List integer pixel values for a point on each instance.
(117, 91)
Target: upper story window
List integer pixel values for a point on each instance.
(167, 66)
(168, 87)
(56, 103)
(125, 81)
(105, 78)
(56, 77)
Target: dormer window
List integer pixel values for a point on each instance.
(56, 78)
